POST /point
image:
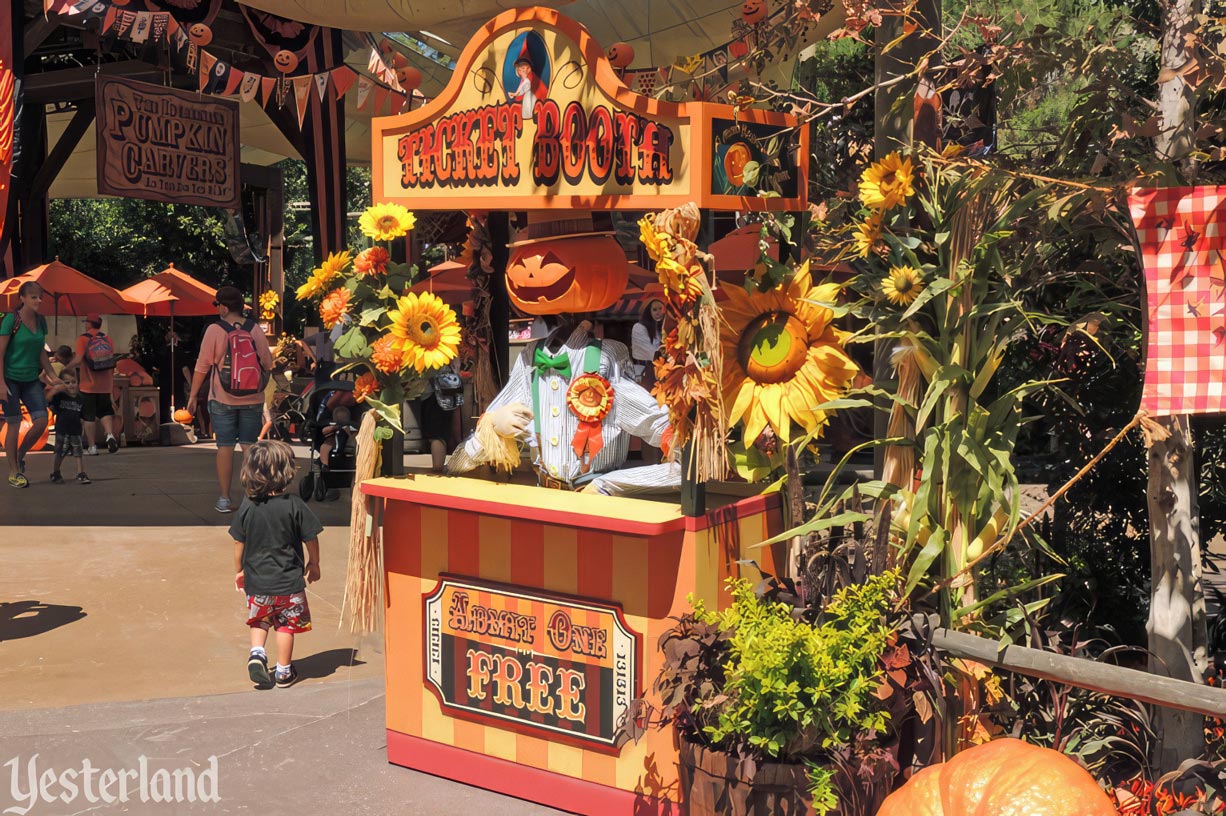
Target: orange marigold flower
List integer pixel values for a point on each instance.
(372, 261)
(366, 385)
(385, 356)
(334, 307)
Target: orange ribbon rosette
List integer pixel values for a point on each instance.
(590, 398)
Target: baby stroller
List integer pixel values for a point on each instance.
(289, 415)
(330, 429)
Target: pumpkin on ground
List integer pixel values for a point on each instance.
(1005, 777)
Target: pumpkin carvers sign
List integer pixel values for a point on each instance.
(167, 145)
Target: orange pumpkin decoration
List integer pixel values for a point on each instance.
(753, 11)
(200, 34)
(1005, 777)
(183, 415)
(620, 55)
(285, 61)
(558, 275)
(24, 428)
(408, 77)
(735, 159)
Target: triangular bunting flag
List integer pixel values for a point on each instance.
(126, 19)
(267, 86)
(249, 87)
(207, 61)
(220, 77)
(321, 85)
(140, 31)
(342, 79)
(302, 95)
(160, 22)
(172, 28)
(233, 81)
(109, 21)
(375, 63)
(380, 98)
(364, 86)
(78, 7)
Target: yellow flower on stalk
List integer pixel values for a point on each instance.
(383, 222)
(867, 234)
(658, 244)
(385, 356)
(782, 357)
(366, 385)
(887, 183)
(903, 285)
(334, 307)
(426, 331)
(335, 264)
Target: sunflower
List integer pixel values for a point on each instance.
(426, 331)
(384, 355)
(658, 244)
(335, 264)
(383, 222)
(887, 183)
(372, 261)
(334, 306)
(867, 234)
(315, 285)
(903, 285)
(782, 357)
(366, 385)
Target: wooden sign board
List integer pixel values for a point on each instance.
(535, 118)
(167, 145)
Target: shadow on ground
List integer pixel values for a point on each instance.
(23, 619)
(325, 664)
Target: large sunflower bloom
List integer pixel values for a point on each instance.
(658, 243)
(782, 357)
(903, 285)
(867, 234)
(315, 285)
(334, 307)
(372, 261)
(426, 332)
(366, 385)
(383, 222)
(385, 356)
(887, 183)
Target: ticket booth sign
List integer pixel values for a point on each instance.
(530, 662)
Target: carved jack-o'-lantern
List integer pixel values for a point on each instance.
(753, 11)
(285, 61)
(620, 55)
(579, 274)
(200, 34)
(408, 77)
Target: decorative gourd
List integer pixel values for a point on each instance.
(1005, 777)
(183, 415)
(559, 275)
(24, 428)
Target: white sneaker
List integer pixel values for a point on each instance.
(92, 450)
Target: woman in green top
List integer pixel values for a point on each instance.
(23, 355)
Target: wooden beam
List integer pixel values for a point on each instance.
(75, 84)
(37, 33)
(59, 154)
(1081, 672)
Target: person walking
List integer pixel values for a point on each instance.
(95, 361)
(269, 532)
(235, 357)
(23, 356)
(67, 404)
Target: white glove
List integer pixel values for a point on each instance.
(511, 421)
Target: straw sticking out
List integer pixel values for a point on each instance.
(363, 601)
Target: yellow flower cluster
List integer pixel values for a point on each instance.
(887, 183)
(269, 301)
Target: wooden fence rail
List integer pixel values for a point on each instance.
(1084, 673)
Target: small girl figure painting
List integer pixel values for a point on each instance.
(525, 73)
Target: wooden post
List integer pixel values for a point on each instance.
(1176, 627)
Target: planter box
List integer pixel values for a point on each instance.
(711, 785)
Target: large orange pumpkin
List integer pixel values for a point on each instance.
(25, 427)
(1005, 777)
(567, 275)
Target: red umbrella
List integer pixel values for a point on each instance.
(449, 280)
(67, 292)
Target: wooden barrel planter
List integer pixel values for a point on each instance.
(713, 785)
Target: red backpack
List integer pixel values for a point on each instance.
(240, 372)
(99, 352)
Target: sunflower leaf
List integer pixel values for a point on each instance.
(352, 344)
(389, 414)
(371, 316)
(933, 289)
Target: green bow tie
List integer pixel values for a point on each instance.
(546, 362)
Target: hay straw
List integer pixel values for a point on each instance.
(501, 452)
(899, 466)
(364, 581)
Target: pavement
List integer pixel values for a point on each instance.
(122, 637)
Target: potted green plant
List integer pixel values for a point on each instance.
(779, 710)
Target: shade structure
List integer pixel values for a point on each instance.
(449, 280)
(67, 291)
(739, 250)
(172, 293)
(447, 266)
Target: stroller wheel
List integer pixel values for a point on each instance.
(321, 487)
(306, 488)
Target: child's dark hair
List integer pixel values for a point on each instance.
(64, 354)
(268, 468)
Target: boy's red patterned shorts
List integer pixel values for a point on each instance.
(285, 613)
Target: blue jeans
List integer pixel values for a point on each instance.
(236, 423)
(30, 393)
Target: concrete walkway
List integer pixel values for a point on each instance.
(121, 636)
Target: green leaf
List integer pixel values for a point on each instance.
(919, 569)
(937, 287)
(352, 345)
(370, 317)
(388, 413)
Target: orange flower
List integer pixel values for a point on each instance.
(366, 385)
(334, 307)
(372, 261)
(385, 356)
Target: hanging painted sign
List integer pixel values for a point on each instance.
(167, 145)
(530, 661)
(535, 117)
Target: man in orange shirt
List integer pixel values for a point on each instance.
(97, 380)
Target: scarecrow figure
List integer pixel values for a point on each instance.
(571, 397)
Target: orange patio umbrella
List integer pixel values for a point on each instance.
(169, 293)
(67, 292)
(449, 280)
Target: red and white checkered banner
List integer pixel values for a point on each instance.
(1182, 231)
